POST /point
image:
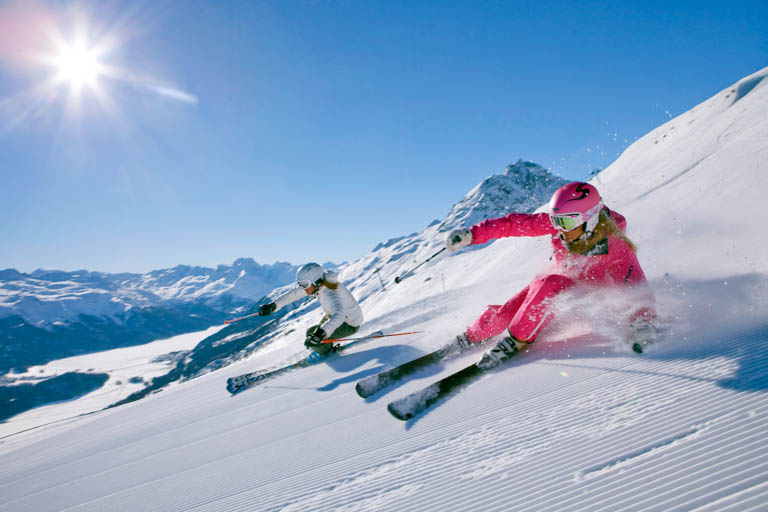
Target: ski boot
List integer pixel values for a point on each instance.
(457, 346)
(643, 334)
(503, 350)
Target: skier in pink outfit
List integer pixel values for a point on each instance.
(590, 248)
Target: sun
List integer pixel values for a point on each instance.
(77, 66)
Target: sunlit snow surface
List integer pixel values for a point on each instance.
(578, 422)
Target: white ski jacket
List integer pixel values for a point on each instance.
(338, 304)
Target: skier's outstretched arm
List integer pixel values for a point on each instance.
(514, 224)
(289, 297)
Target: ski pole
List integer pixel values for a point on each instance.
(372, 337)
(400, 278)
(242, 318)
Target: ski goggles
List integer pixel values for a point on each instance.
(567, 222)
(307, 284)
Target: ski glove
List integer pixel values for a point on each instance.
(267, 309)
(458, 238)
(315, 337)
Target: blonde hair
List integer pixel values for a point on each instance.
(329, 284)
(605, 227)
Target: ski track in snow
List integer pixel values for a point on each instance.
(478, 454)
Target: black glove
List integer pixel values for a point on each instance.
(267, 309)
(315, 337)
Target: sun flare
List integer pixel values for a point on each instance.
(77, 66)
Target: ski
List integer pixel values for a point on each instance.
(245, 381)
(375, 383)
(419, 401)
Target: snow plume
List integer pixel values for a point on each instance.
(690, 313)
(601, 314)
(706, 311)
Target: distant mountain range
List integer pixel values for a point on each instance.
(49, 314)
(46, 297)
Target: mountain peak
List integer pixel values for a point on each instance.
(522, 166)
(522, 187)
(244, 262)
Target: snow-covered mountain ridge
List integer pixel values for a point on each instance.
(522, 187)
(45, 297)
(47, 315)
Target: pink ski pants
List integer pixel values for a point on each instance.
(525, 314)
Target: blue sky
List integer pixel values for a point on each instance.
(312, 130)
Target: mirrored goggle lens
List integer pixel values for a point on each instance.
(565, 222)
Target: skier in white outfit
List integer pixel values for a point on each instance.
(343, 315)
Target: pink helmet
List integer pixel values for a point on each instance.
(574, 204)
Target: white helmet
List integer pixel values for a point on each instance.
(309, 274)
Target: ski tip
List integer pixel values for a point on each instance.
(234, 390)
(397, 414)
(360, 391)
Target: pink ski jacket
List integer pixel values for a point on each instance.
(612, 262)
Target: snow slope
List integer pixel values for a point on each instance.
(576, 423)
